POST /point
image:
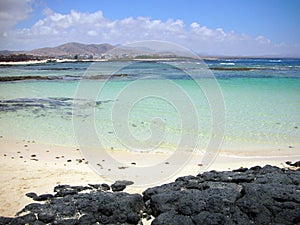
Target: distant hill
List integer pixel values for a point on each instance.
(6, 52)
(72, 49)
(84, 51)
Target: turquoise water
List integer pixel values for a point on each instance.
(261, 96)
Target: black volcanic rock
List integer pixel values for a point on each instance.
(245, 196)
(120, 185)
(296, 164)
(259, 195)
(82, 208)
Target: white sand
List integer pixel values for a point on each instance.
(30, 62)
(22, 173)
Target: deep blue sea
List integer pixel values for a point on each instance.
(251, 105)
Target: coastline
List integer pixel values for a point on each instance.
(32, 62)
(27, 166)
(49, 60)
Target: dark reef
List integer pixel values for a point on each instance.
(259, 195)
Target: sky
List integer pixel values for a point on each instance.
(208, 27)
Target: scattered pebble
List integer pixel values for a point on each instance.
(79, 160)
(133, 125)
(133, 163)
(34, 159)
(12, 157)
(167, 163)
(1, 136)
(98, 164)
(33, 155)
(63, 156)
(122, 167)
(21, 157)
(296, 127)
(57, 157)
(103, 160)
(25, 146)
(18, 152)
(47, 151)
(77, 149)
(111, 148)
(69, 160)
(291, 147)
(200, 164)
(4, 155)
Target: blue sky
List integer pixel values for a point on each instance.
(231, 27)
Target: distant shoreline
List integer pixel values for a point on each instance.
(51, 60)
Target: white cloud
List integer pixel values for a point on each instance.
(12, 12)
(56, 28)
(92, 33)
(263, 40)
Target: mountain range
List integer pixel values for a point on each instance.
(68, 49)
(72, 49)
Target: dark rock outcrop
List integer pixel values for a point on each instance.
(268, 195)
(81, 205)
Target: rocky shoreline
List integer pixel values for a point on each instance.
(259, 195)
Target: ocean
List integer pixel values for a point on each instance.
(240, 106)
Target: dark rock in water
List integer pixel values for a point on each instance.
(259, 195)
(120, 185)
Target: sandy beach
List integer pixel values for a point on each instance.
(27, 166)
(33, 62)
